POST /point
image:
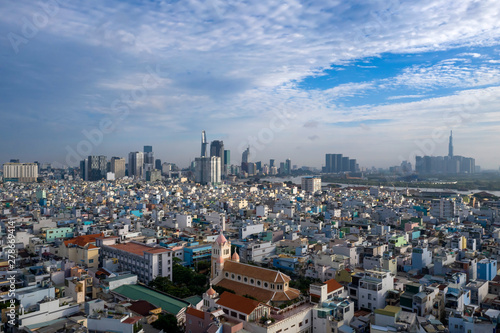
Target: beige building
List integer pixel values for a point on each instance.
(82, 250)
(20, 172)
(117, 166)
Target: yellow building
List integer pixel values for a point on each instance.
(344, 276)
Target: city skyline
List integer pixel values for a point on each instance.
(382, 83)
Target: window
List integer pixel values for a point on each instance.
(252, 281)
(227, 274)
(266, 285)
(245, 279)
(232, 276)
(239, 278)
(258, 283)
(91, 261)
(242, 317)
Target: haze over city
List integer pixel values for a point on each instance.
(380, 82)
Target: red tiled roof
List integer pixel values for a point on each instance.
(261, 294)
(333, 285)
(83, 240)
(195, 312)
(255, 272)
(237, 303)
(131, 320)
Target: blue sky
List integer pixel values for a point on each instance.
(380, 81)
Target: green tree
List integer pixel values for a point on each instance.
(167, 323)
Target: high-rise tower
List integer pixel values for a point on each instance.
(217, 148)
(450, 147)
(203, 144)
(244, 159)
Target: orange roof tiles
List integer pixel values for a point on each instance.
(211, 292)
(237, 303)
(255, 272)
(132, 320)
(82, 240)
(138, 249)
(332, 285)
(195, 312)
(261, 294)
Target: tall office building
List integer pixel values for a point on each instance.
(227, 161)
(282, 170)
(136, 164)
(245, 157)
(84, 169)
(158, 164)
(338, 162)
(450, 145)
(352, 165)
(288, 166)
(208, 170)
(271, 163)
(345, 164)
(148, 158)
(20, 172)
(329, 163)
(217, 148)
(203, 144)
(117, 166)
(97, 167)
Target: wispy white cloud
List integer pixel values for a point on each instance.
(391, 98)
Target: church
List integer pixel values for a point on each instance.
(265, 285)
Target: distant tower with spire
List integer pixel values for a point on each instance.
(203, 144)
(450, 147)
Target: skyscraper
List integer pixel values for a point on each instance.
(158, 164)
(148, 159)
(450, 146)
(96, 167)
(217, 148)
(227, 161)
(208, 170)
(83, 169)
(117, 166)
(244, 159)
(345, 164)
(338, 162)
(136, 164)
(288, 166)
(203, 144)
